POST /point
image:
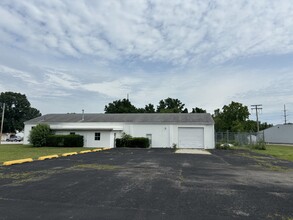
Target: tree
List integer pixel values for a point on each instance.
(150, 108)
(17, 110)
(171, 105)
(250, 126)
(32, 113)
(265, 125)
(198, 110)
(120, 106)
(39, 134)
(232, 118)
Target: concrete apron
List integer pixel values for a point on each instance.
(192, 151)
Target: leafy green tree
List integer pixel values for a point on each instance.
(150, 108)
(39, 134)
(171, 105)
(17, 110)
(32, 113)
(265, 125)
(120, 106)
(250, 125)
(198, 110)
(140, 110)
(232, 117)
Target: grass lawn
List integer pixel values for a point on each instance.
(19, 151)
(279, 151)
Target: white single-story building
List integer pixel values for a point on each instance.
(194, 130)
(279, 134)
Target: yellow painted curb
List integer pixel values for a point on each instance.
(85, 151)
(69, 154)
(48, 157)
(107, 148)
(96, 150)
(11, 162)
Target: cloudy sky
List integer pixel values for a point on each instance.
(71, 55)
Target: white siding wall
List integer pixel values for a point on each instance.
(167, 135)
(27, 129)
(89, 138)
(281, 134)
(107, 136)
(162, 135)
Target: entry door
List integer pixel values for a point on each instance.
(190, 138)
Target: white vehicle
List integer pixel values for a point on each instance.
(14, 138)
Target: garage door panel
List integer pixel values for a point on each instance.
(191, 138)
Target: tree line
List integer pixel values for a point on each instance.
(233, 117)
(168, 105)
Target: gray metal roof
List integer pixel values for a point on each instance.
(194, 118)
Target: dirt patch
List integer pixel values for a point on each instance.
(18, 178)
(245, 158)
(96, 167)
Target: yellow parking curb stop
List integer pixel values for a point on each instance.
(85, 151)
(48, 157)
(69, 154)
(11, 162)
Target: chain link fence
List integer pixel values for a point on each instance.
(239, 138)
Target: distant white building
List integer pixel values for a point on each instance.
(279, 134)
(194, 130)
(5, 136)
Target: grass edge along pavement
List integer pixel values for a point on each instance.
(27, 160)
(282, 152)
(18, 151)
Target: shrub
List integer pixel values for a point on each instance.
(38, 135)
(71, 140)
(259, 146)
(136, 142)
(119, 142)
(125, 136)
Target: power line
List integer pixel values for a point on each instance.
(256, 108)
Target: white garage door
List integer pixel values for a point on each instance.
(190, 138)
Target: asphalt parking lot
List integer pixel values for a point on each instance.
(149, 184)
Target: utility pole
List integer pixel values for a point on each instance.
(256, 108)
(2, 121)
(285, 114)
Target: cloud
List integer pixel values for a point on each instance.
(204, 88)
(206, 53)
(150, 30)
(14, 73)
(111, 88)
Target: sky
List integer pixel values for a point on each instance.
(67, 55)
